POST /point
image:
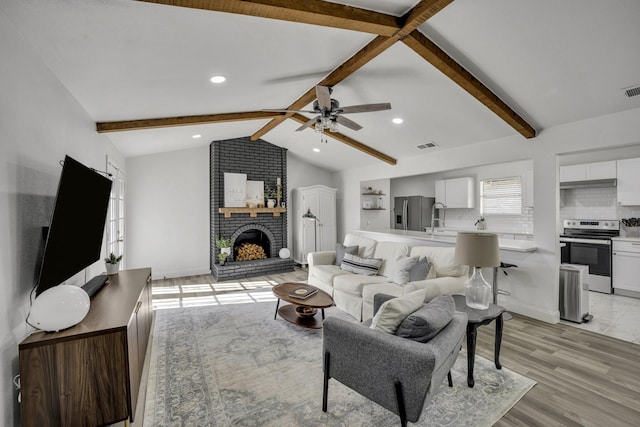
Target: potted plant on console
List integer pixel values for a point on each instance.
(225, 248)
(112, 263)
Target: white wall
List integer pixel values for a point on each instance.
(39, 123)
(167, 211)
(534, 286)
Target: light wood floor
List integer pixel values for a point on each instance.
(583, 378)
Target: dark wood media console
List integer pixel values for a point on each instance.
(89, 374)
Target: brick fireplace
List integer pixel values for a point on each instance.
(260, 161)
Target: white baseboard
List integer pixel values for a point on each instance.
(157, 274)
(533, 312)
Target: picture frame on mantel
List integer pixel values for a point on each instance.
(255, 194)
(235, 190)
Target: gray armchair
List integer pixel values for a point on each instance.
(397, 373)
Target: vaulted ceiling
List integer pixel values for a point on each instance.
(457, 72)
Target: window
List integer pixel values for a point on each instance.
(502, 196)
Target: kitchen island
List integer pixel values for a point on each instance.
(422, 238)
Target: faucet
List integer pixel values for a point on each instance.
(433, 216)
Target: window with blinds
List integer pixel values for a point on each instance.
(502, 196)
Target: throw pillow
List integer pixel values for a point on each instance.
(342, 249)
(401, 270)
(391, 313)
(420, 270)
(425, 323)
(355, 264)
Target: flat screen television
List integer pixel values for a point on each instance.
(74, 239)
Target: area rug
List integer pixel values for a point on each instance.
(234, 365)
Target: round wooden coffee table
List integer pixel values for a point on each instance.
(319, 300)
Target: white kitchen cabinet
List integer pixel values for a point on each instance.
(628, 187)
(588, 171)
(626, 266)
(456, 192)
(313, 234)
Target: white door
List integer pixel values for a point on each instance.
(327, 221)
(115, 219)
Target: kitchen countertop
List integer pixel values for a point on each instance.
(504, 244)
(627, 239)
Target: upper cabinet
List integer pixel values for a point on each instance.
(588, 171)
(628, 182)
(456, 192)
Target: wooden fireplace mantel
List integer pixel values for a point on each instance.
(253, 212)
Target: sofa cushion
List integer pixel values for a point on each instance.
(420, 269)
(342, 249)
(354, 283)
(389, 252)
(358, 265)
(401, 270)
(441, 260)
(392, 312)
(425, 323)
(326, 273)
(365, 246)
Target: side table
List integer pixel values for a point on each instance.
(478, 318)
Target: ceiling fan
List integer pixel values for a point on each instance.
(329, 112)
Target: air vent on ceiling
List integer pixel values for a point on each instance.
(632, 91)
(427, 145)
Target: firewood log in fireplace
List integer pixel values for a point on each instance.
(249, 251)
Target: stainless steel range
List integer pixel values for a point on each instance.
(588, 242)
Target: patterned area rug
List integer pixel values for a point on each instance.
(233, 365)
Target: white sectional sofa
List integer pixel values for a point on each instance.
(354, 293)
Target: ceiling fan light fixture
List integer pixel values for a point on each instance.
(333, 126)
(218, 79)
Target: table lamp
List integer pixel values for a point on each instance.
(477, 250)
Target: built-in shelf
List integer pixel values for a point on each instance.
(373, 209)
(253, 212)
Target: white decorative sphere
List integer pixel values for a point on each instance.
(59, 307)
(284, 253)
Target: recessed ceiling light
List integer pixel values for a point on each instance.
(196, 136)
(397, 120)
(317, 150)
(218, 79)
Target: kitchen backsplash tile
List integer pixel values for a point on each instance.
(466, 218)
(593, 203)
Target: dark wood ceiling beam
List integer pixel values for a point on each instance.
(412, 20)
(316, 12)
(449, 67)
(121, 126)
(350, 142)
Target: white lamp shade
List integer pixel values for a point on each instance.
(59, 308)
(477, 249)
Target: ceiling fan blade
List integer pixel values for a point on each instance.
(364, 108)
(348, 123)
(287, 111)
(324, 97)
(309, 123)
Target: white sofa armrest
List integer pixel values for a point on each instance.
(321, 258)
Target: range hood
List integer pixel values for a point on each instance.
(594, 183)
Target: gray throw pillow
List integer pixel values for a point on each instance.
(401, 269)
(342, 249)
(420, 270)
(425, 323)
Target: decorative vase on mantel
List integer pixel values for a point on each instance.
(271, 203)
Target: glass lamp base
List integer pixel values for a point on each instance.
(477, 291)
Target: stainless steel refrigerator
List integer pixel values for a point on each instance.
(413, 212)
